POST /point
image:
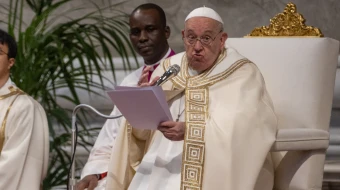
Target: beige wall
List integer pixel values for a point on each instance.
(240, 16)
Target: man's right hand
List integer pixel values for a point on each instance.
(90, 182)
(144, 78)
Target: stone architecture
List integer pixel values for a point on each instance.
(240, 16)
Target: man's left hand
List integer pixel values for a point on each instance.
(173, 131)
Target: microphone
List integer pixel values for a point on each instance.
(171, 72)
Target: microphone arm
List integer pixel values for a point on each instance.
(72, 180)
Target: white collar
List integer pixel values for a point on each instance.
(4, 88)
(192, 72)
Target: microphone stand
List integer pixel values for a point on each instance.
(72, 180)
(170, 73)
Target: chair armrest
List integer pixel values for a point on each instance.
(300, 139)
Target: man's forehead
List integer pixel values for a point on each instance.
(141, 14)
(144, 18)
(200, 23)
(207, 31)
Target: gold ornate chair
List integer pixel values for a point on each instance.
(299, 68)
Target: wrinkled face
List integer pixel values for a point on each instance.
(5, 63)
(200, 54)
(148, 36)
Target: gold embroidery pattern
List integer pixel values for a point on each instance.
(185, 71)
(3, 125)
(196, 114)
(180, 80)
(197, 107)
(167, 65)
(202, 82)
(221, 76)
(13, 91)
(129, 133)
(193, 148)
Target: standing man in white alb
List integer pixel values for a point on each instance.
(24, 139)
(148, 35)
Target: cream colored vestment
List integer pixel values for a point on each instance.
(24, 134)
(230, 128)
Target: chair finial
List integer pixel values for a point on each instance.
(288, 23)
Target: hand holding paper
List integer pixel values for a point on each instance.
(144, 108)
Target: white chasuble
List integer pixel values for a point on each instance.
(230, 128)
(24, 140)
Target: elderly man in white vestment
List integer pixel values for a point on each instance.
(148, 35)
(24, 140)
(223, 122)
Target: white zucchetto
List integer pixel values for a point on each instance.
(204, 12)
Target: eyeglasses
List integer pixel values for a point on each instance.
(205, 40)
(2, 52)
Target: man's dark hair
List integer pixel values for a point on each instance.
(148, 6)
(6, 39)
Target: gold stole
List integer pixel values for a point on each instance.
(13, 92)
(196, 114)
